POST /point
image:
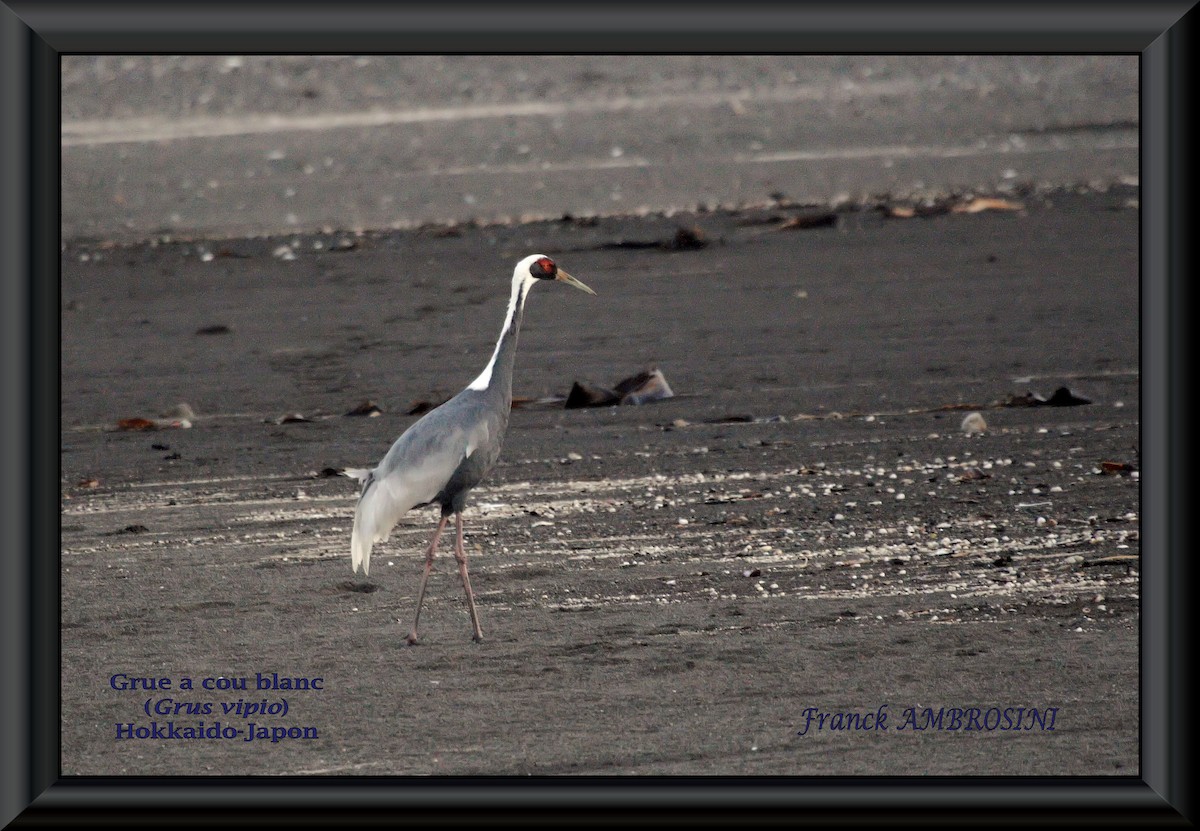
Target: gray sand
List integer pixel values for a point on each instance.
(663, 590)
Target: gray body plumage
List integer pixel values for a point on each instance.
(467, 429)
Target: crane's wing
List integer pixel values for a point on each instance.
(412, 473)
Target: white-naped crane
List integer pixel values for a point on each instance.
(439, 458)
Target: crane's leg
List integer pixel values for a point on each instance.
(460, 554)
(437, 534)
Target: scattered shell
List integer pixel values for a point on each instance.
(642, 388)
(974, 424)
(366, 408)
(985, 203)
(289, 418)
(182, 410)
(153, 424)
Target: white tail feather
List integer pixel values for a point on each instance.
(379, 509)
(360, 547)
(361, 538)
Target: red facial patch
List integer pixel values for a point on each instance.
(547, 265)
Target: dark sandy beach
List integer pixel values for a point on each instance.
(664, 589)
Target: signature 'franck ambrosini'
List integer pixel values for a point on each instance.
(201, 731)
(917, 719)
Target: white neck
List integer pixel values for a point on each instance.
(522, 280)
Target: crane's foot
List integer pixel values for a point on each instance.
(477, 638)
(412, 639)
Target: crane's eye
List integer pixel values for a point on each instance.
(543, 269)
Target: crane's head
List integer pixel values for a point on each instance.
(541, 267)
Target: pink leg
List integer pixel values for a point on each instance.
(460, 554)
(437, 534)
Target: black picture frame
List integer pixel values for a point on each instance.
(32, 37)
